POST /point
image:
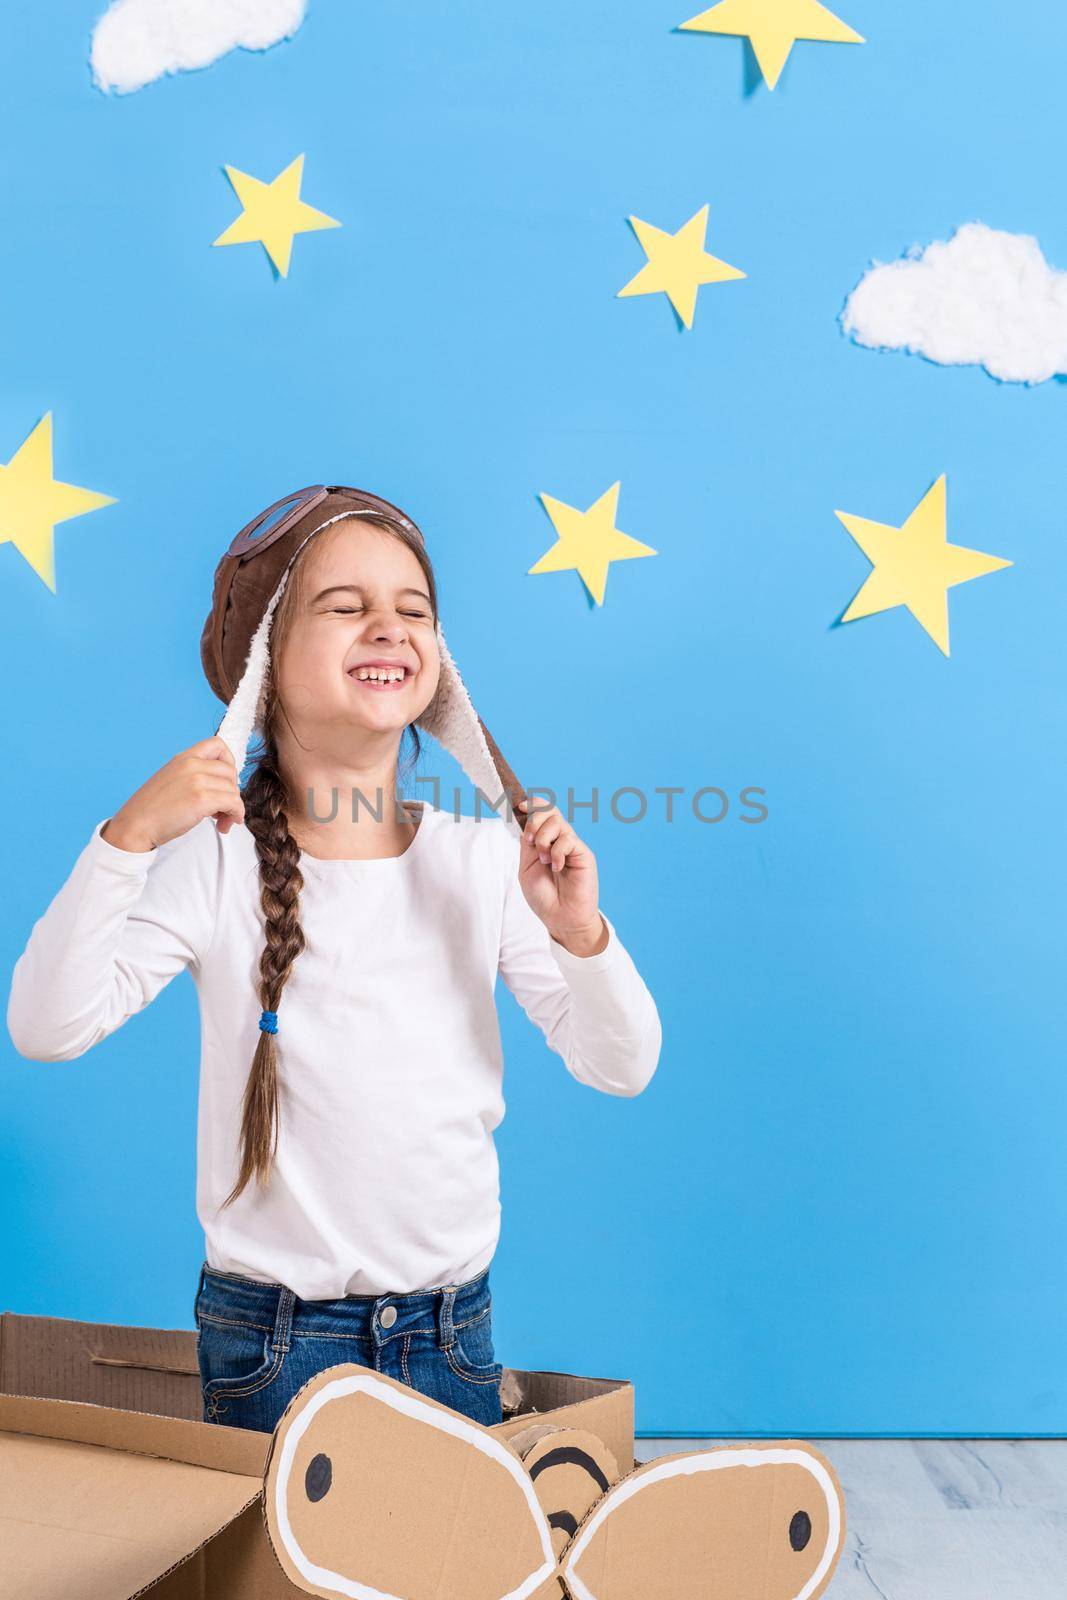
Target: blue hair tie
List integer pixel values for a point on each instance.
(268, 1022)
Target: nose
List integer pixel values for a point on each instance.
(386, 627)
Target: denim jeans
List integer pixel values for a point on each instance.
(258, 1343)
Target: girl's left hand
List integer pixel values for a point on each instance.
(558, 875)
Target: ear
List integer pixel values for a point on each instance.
(376, 1491)
(755, 1521)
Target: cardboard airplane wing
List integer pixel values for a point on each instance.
(374, 1491)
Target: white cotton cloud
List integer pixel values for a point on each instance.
(137, 41)
(982, 298)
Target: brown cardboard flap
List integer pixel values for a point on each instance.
(138, 1369)
(241, 1451)
(607, 1408)
(103, 1523)
(155, 1370)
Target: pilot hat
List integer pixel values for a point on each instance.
(235, 642)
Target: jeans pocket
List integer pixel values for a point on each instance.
(471, 1354)
(235, 1358)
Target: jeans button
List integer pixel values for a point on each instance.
(388, 1317)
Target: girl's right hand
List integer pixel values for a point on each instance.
(196, 783)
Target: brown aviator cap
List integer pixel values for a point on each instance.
(235, 650)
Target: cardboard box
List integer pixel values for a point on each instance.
(112, 1486)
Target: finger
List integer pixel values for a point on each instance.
(532, 849)
(205, 770)
(225, 817)
(567, 845)
(571, 850)
(217, 798)
(214, 749)
(212, 768)
(554, 841)
(209, 775)
(542, 830)
(536, 810)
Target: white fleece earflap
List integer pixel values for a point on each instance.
(450, 717)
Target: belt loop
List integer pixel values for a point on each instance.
(283, 1319)
(445, 1332)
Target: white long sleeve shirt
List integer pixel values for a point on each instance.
(390, 1063)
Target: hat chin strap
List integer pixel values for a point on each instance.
(450, 717)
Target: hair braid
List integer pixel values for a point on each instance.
(281, 882)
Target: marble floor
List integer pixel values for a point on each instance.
(942, 1519)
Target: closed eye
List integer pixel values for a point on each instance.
(345, 611)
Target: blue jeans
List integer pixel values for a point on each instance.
(258, 1343)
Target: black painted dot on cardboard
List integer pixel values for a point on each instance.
(318, 1477)
(799, 1530)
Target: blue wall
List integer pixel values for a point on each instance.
(840, 1206)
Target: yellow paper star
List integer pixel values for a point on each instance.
(589, 541)
(32, 501)
(677, 264)
(273, 213)
(772, 27)
(915, 566)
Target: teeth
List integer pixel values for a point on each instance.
(379, 674)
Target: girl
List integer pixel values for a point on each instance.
(347, 1178)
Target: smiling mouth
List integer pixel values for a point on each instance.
(379, 685)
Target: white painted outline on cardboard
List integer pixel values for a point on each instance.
(375, 1389)
(706, 1461)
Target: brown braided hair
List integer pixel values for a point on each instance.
(267, 803)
